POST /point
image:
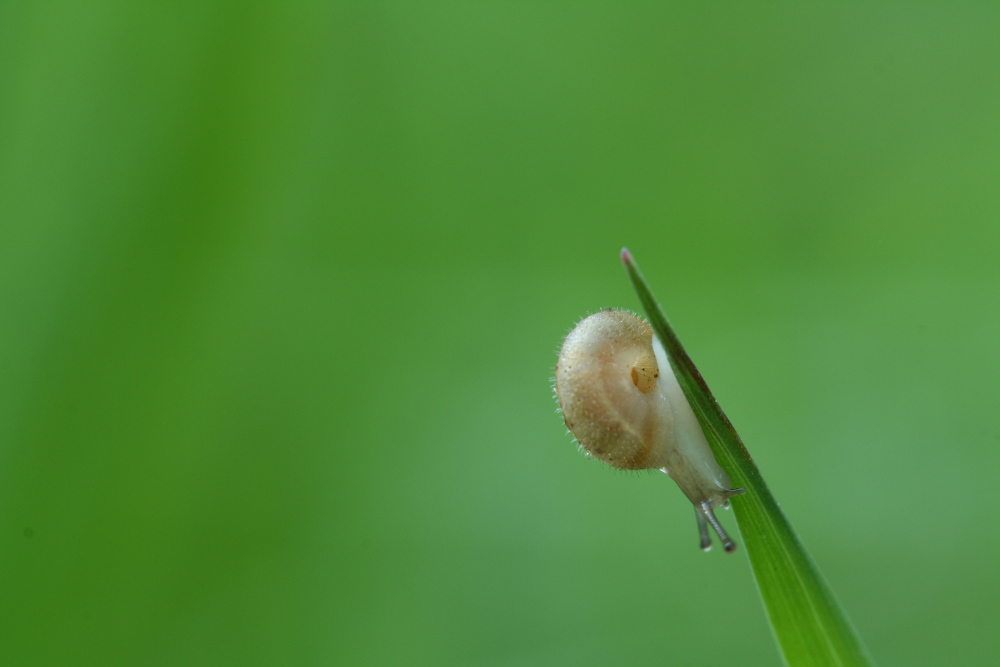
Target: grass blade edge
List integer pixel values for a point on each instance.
(808, 623)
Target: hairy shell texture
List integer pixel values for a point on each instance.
(620, 398)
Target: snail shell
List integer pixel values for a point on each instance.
(620, 398)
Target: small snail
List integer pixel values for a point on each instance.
(620, 398)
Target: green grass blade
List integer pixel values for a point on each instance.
(808, 623)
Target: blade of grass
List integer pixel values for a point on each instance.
(808, 623)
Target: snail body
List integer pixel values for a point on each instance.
(620, 398)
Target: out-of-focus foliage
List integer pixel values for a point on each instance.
(281, 288)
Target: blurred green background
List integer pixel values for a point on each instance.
(281, 289)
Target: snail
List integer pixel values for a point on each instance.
(621, 400)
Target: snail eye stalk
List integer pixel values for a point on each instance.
(705, 514)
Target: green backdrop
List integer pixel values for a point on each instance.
(281, 289)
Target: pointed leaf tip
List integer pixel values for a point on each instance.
(626, 257)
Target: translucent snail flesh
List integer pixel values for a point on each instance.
(620, 398)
